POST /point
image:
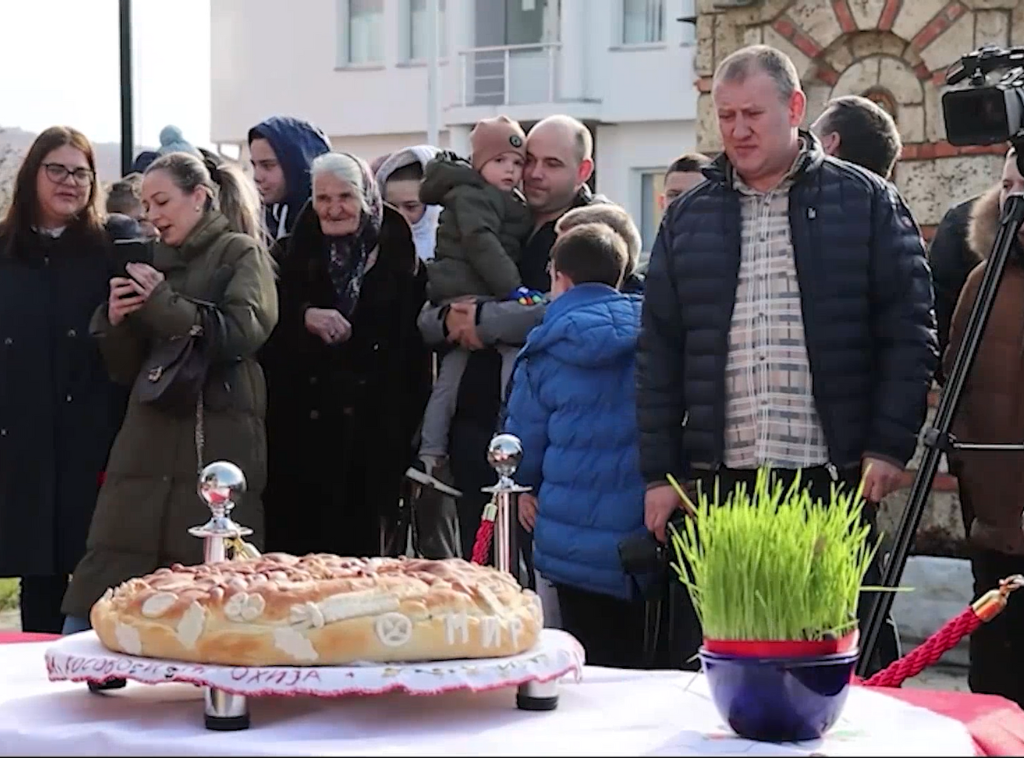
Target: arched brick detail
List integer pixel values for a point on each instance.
(883, 98)
(859, 44)
(815, 21)
(859, 77)
(901, 80)
(911, 42)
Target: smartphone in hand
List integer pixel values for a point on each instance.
(132, 251)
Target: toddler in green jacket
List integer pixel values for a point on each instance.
(484, 222)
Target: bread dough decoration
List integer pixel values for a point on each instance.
(244, 608)
(319, 610)
(157, 605)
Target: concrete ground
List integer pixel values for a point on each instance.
(949, 678)
(9, 621)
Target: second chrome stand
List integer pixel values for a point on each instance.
(504, 454)
(221, 485)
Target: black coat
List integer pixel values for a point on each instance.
(951, 260)
(866, 298)
(341, 419)
(59, 411)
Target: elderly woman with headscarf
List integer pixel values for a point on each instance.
(356, 372)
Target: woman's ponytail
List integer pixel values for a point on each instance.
(239, 200)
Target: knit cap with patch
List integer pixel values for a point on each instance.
(492, 137)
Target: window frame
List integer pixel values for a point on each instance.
(407, 34)
(688, 37)
(344, 39)
(621, 40)
(657, 175)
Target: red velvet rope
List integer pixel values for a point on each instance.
(928, 653)
(482, 545)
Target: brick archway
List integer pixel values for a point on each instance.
(856, 46)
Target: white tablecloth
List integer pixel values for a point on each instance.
(610, 712)
(82, 657)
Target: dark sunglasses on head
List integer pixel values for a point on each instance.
(58, 172)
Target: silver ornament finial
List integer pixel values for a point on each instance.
(221, 486)
(505, 454)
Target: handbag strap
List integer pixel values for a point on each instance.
(200, 434)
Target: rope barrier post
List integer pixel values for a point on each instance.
(981, 611)
(221, 485)
(504, 454)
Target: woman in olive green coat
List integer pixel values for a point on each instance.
(208, 219)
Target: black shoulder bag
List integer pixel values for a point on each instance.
(174, 373)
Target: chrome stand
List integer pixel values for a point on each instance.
(504, 454)
(221, 485)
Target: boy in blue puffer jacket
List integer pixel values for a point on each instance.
(572, 403)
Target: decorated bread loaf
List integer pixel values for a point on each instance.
(319, 610)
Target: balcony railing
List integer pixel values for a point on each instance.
(509, 74)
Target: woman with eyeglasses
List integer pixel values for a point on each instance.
(59, 412)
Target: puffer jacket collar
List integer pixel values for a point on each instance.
(721, 170)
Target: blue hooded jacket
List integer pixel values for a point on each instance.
(296, 144)
(572, 402)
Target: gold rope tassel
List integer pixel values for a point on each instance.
(992, 603)
(242, 550)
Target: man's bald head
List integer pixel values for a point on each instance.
(559, 161)
(568, 128)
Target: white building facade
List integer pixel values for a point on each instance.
(358, 69)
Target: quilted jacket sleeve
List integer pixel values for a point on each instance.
(903, 322)
(247, 313)
(660, 400)
(527, 418)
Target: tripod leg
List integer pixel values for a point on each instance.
(937, 438)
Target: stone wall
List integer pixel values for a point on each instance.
(895, 52)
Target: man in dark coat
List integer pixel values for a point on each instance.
(788, 312)
(951, 260)
(860, 131)
(281, 150)
(558, 164)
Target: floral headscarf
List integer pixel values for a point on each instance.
(349, 255)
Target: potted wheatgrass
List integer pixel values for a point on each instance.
(775, 578)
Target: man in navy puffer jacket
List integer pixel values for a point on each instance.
(788, 316)
(572, 403)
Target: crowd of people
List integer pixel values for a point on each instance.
(352, 331)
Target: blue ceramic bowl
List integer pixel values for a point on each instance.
(779, 699)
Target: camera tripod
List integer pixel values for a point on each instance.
(937, 439)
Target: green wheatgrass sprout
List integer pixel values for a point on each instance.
(774, 565)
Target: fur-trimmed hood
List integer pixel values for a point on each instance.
(983, 224)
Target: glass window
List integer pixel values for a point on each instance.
(419, 29)
(365, 31)
(643, 21)
(689, 31)
(652, 185)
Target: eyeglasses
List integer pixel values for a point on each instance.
(58, 172)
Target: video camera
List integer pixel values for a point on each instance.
(986, 112)
(647, 560)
